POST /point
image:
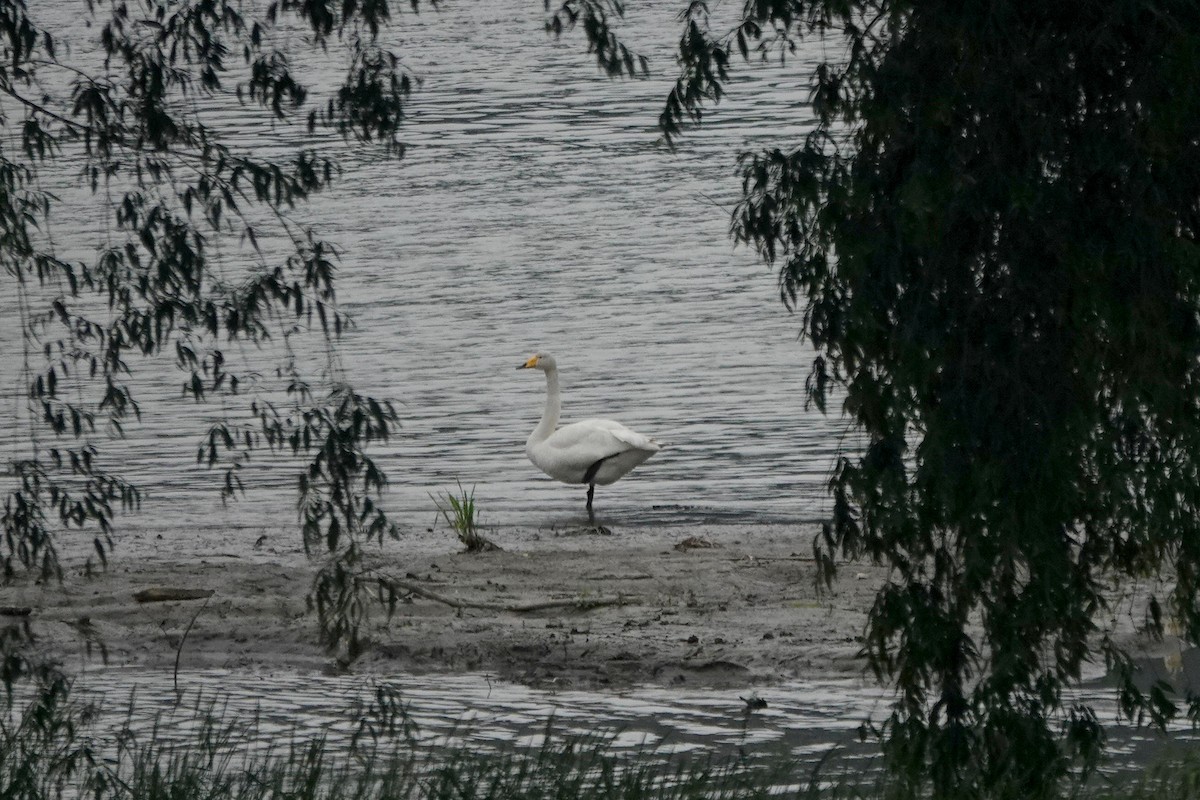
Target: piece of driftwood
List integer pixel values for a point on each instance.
(580, 603)
(15, 611)
(695, 543)
(161, 594)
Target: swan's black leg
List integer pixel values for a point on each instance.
(589, 477)
(591, 514)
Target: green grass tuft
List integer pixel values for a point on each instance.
(459, 511)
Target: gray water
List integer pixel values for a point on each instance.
(483, 713)
(804, 722)
(536, 209)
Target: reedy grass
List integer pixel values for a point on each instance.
(460, 512)
(50, 748)
(42, 745)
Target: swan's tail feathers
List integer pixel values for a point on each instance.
(636, 440)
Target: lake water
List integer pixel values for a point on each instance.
(804, 722)
(535, 210)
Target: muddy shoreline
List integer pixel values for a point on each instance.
(740, 606)
(708, 605)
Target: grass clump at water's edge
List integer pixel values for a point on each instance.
(461, 514)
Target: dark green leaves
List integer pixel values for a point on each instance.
(992, 235)
(595, 18)
(370, 105)
(704, 71)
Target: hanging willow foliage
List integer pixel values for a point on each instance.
(189, 261)
(991, 231)
(127, 107)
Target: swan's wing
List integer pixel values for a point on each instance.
(571, 450)
(623, 434)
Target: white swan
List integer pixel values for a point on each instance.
(593, 451)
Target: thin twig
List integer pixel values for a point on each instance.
(182, 639)
(583, 604)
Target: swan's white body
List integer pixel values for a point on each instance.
(592, 451)
(569, 452)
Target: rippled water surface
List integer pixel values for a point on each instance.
(535, 210)
(803, 721)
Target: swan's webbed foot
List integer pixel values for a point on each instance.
(600, 530)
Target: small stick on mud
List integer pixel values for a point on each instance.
(580, 603)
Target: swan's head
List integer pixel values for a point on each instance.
(540, 361)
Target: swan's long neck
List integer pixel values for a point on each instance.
(553, 406)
